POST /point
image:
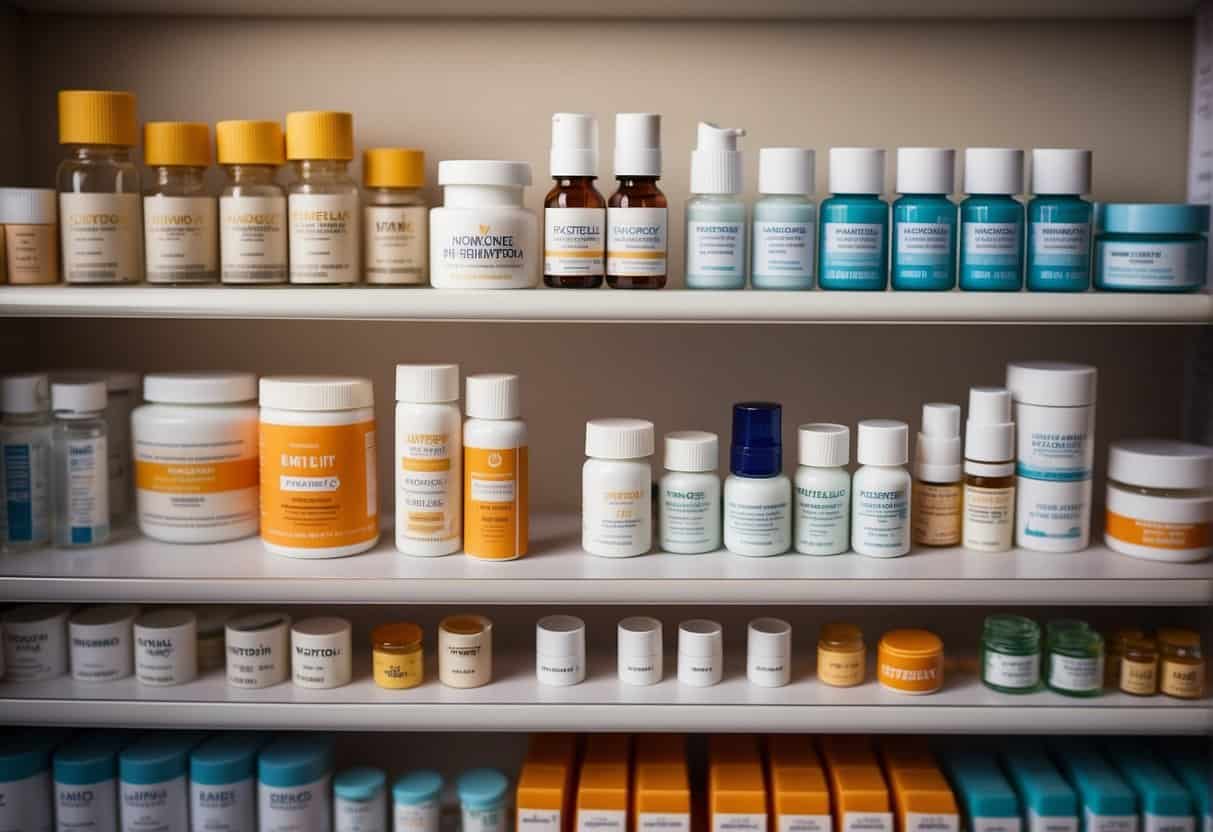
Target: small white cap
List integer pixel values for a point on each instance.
(716, 160)
(1161, 463)
(692, 450)
(856, 170)
(492, 396)
(637, 144)
(1052, 383)
(26, 393)
(560, 635)
(883, 442)
(640, 635)
(989, 431)
(484, 172)
(937, 452)
(769, 637)
(317, 393)
(116, 381)
(78, 397)
(200, 388)
(619, 438)
(28, 206)
(993, 170)
(700, 637)
(786, 170)
(574, 145)
(926, 170)
(427, 383)
(1061, 171)
(824, 445)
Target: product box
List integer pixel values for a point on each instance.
(661, 787)
(1165, 804)
(858, 791)
(1050, 804)
(544, 797)
(737, 792)
(985, 795)
(921, 795)
(800, 794)
(603, 786)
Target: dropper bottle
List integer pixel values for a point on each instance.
(716, 215)
(574, 213)
(637, 243)
(937, 477)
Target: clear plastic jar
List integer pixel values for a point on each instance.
(180, 219)
(395, 220)
(323, 200)
(252, 205)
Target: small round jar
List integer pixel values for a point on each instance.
(700, 653)
(1010, 654)
(258, 650)
(1074, 663)
(616, 488)
(482, 795)
(641, 658)
(321, 653)
(769, 652)
(35, 642)
(166, 647)
(29, 235)
(1138, 666)
(560, 650)
(1113, 650)
(1182, 671)
(103, 643)
(1151, 247)
(1160, 500)
(689, 494)
(397, 658)
(360, 800)
(841, 656)
(910, 661)
(465, 651)
(417, 802)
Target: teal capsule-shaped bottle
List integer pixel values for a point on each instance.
(1059, 221)
(853, 228)
(992, 221)
(715, 213)
(924, 221)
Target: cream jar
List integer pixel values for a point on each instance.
(769, 652)
(560, 650)
(35, 642)
(640, 651)
(320, 653)
(166, 647)
(700, 653)
(102, 643)
(465, 651)
(258, 650)
(1160, 500)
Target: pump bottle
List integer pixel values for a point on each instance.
(937, 485)
(716, 214)
(989, 471)
(574, 213)
(637, 240)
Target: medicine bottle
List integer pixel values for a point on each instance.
(574, 213)
(496, 476)
(715, 213)
(853, 231)
(1074, 663)
(429, 465)
(1138, 661)
(757, 494)
(1059, 221)
(482, 800)
(991, 221)
(396, 217)
(880, 505)
(1182, 671)
(784, 236)
(99, 188)
(323, 200)
(689, 493)
(417, 802)
(924, 220)
(989, 472)
(617, 488)
(29, 217)
(360, 800)
(25, 462)
(937, 487)
(252, 205)
(80, 483)
(823, 490)
(637, 240)
(180, 233)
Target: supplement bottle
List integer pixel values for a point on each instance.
(482, 800)
(29, 217)
(637, 239)
(715, 213)
(294, 784)
(396, 217)
(99, 188)
(1059, 221)
(937, 487)
(181, 239)
(223, 783)
(417, 802)
(360, 800)
(853, 244)
(323, 200)
(689, 493)
(823, 490)
(989, 472)
(574, 213)
(86, 782)
(80, 483)
(785, 220)
(991, 221)
(26, 799)
(122, 396)
(496, 477)
(252, 205)
(924, 220)
(25, 462)
(880, 505)
(757, 494)
(154, 783)
(429, 464)
(617, 488)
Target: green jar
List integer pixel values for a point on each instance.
(1074, 659)
(1010, 654)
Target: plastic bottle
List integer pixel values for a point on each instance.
(323, 200)
(880, 513)
(495, 472)
(757, 494)
(429, 468)
(689, 493)
(25, 460)
(81, 475)
(853, 250)
(989, 471)
(637, 240)
(785, 220)
(617, 488)
(1059, 221)
(823, 490)
(937, 467)
(924, 220)
(252, 205)
(180, 218)
(715, 213)
(574, 213)
(991, 221)
(395, 217)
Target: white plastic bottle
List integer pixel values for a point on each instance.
(880, 506)
(616, 488)
(689, 494)
(81, 472)
(757, 494)
(823, 490)
(429, 465)
(495, 472)
(25, 460)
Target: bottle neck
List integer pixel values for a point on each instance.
(569, 181)
(252, 174)
(25, 419)
(179, 175)
(315, 169)
(626, 181)
(99, 153)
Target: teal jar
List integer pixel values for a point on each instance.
(853, 229)
(1059, 221)
(1010, 654)
(991, 221)
(924, 221)
(1151, 247)
(1074, 659)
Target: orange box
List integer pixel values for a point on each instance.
(921, 795)
(661, 786)
(800, 795)
(544, 797)
(604, 786)
(858, 791)
(737, 789)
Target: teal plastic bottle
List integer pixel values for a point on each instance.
(784, 233)
(715, 213)
(992, 221)
(853, 235)
(1059, 221)
(924, 221)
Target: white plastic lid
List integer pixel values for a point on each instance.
(856, 170)
(484, 172)
(993, 170)
(574, 145)
(619, 438)
(1052, 383)
(28, 206)
(560, 635)
(317, 393)
(989, 431)
(786, 170)
(716, 160)
(692, 451)
(700, 637)
(1161, 463)
(427, 383)
(637, 144)
(769, 637)
(1061, 171)
(200, 388)
(824, 445)
(26, 393)
(78, 397)
(926, 170)
(640, 635)
(937, 453)
(883, 442)
(492, 396)
(116, 381)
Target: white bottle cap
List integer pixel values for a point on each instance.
(640, 651)
(1052, 383)
(937, 453)
(989, 431)
(1161, 463)
(200, 388)
(993, 170)
(316, 393)
(926, 170)
(786, 170)
(484, 172)
(27, 393)
(560, 650)
(692, 450)
(882, 442)
(116, 381)
(574, 145)
(824, 445)
(856, 170)
(28, 206)
(79, 397)
(700, 637)
(716, 160)
(618, 438)
(492, 396)
(1061, 171)
(637, 144)
(427, 383)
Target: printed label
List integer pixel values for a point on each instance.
(33, 654)
(912, 675)
(423, 817)
(822, 520)
(995, 824)
(1061, 244)
(180, 239)
(926, 822)
(495, 486)
(1159, 534)
(537, 820)
(101, 659)
(324, 238)
(156, 807)
(428, 480)
(1167, 823)
(988, 518)
(757, 524)
(396, 671)
(27, 492)
(716, 248)
(1054, 443)
(1185, 680)
(852, 250)
(936, 514)
(295, 809)
(602, 820)
(574, 241)
(616, 519)
(498, 253)
(231, 807)
(663, 822)
(102, 239)
(840, 669)
(867, 822)
(360, 815)
(1152, 266)
(924, 250)
(87, 486)
(733, 822)
(1138, 677)
(636, 241)
(805, 823)
(1051, 511)
(881, 519)
(253, 239)
(33, 254)
(25, 805)
(1051, 823)
(784, 249)
(1007, 671)
(1075, 673)
(484, 820)
(91, 808)
(687, 519)
(991, 244)
(396, 237)
(1108, 823)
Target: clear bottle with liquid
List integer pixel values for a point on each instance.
(323, 202)
(180, 217)
(252, 205)
(80, 464)
(25, 459)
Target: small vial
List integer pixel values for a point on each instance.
(853, 231)
(757, 494)
(395, 217)
(924, 220)
(81, 475)
(637, 240)
(1059, 221)
(323, 201)
(689, 493)
(180, 225)
(252, 206)
(715, 213)
(784, 236)
(880, 505)
(574, 213)
(937, 466)
(25, 461)
(989, 472)
(991, 221)
(822, 490)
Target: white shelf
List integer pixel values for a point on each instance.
(605, 305)
(142, 570)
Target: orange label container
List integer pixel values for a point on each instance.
(910, 661)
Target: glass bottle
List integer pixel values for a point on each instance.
(989, 472)
(252, 205)
(25, 460)
(637, 213)
(80, 464)
(1114, 649)
(1138, 666)
(323, 201)
(574, 213)
(924, 221)
(395, 217)
(1010, 654)
(1183, 663)
(1075, 659)
(180, 219)
(936, 513)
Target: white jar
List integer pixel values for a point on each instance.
(617, 488)
(360, 800)
(429, 460)
(35, 642)
(560, 650)
(769, 652)
(1160, 500)
(320, 653)
(258, 650)
(757, 494)
(482, 237)
(823, 490)
(166, 647)
(689, 494)
(103, 643)
(641, 657)
(700, 653)
(880, 505)
(465, 651)
(196, 457)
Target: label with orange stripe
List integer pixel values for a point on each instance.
(636, 242)
(573, 242)
(1159, 534)
(196, 477)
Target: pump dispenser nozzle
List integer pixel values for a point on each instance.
(716, 160)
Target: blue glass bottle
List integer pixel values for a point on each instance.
(853, 227)
(1059, 221)
(991, 221)
(924, 221)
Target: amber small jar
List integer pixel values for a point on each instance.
(1182, 671)
(1114, 648)
(1138, 666)
(841, 656)
(397, 657)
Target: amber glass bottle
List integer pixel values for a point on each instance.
(637, 213)
(574, 213)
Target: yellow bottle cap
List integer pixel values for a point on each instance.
(393, 167)
(97, 117)
(250, 143)
(319, 134)
(910, 644)
(185, 143)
